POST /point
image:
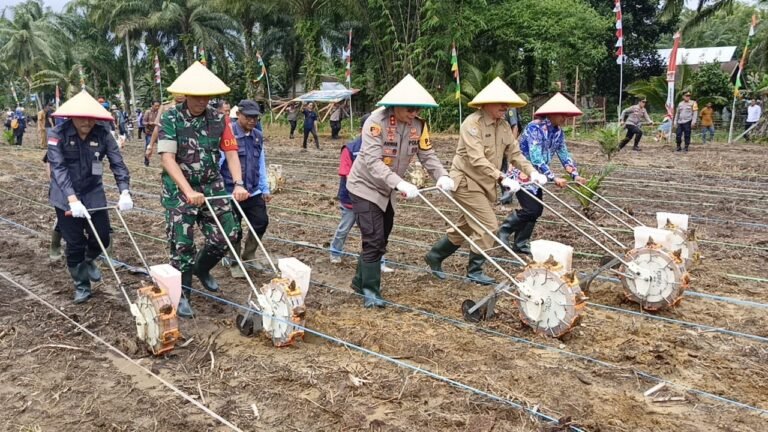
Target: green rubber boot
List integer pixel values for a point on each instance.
(370, 278)
(185, 308)
(439, 252)
(79, 275)
(204, 262)
(54, 252)
(357, 281)
(475, 270)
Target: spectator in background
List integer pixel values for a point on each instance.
(707, 117)
(726, 115)
(310, 125)
(140, 121)
(225, 108)
(337, 112)
(753, 116)
(19, 125)
(686, 117)
(151, 119)
(293, 113)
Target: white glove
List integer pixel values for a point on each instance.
(511, 184)
(409, 190)
(78, 210)
(445, 183)
(538, 178)
(125, 202)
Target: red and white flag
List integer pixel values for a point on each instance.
(157, 70)
(58, 96)
(671, 70)
(619, 34)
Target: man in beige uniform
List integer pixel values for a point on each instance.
(392, 136)
(485, 138)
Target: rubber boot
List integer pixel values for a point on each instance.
(54, 252)
(249, 253)
(439, 252)
(511, 225)
(523, 238)
(370, 278)
(234, 268)
(623, 143)
(93, 270)
(204, 262)
(475, 270)
(79, 275)
(357, 281)
(185, 309)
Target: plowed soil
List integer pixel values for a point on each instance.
(55, 377)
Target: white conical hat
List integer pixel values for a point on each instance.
(198, 80)
(497, 92)
(408, 93)
(558, 104)
(83, 105)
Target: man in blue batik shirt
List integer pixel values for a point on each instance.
(542, 139)
(250, 150)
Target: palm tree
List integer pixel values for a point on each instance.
(704, 9)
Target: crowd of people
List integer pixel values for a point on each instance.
(214, 174)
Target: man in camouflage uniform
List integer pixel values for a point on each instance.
(190, 138)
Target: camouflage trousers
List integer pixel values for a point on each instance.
(180, 226)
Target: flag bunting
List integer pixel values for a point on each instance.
(157, 69)
(455, 70)
(671, 71)
(263, 68)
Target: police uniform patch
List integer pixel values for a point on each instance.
(375, 130)
(424, 142)
(388, 161)
(473, 131)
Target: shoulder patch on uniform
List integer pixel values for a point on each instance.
(375, 130)
(474, 132)
(424, 142)
(53, 141)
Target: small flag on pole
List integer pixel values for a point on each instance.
(740, 68)
(455, 69)
(157, 69)
(263, 68)
(348, 56)
(203, 59)
(58, 96)
(619, 34)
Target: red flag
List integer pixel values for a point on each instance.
(157, 70)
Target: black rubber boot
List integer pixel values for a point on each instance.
(623, 143)
(523, 238)
(204, 262)
(54, 252)
(370, 277)
(79, 275)
(93, 270)
(185, 309)
(357, 281)
(511, 225)
(439, 252)
(475, 270)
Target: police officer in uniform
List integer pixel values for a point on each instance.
(76, 150)
(685, 119)
(485, 138)
(392, 136)
(632, 118)
(190, 138)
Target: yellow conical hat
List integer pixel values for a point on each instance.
(497, 92)
(558, 104)
(83, 105)
(408, 93)
(198, 80)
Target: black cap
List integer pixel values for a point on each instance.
(248, 107)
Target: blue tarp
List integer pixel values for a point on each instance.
(329, 92)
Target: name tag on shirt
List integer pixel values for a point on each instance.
(94, 144)
(97, 168)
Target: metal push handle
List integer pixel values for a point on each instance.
(499, 287)
(621, 210)
(594, 240)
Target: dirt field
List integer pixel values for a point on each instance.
(54, 377)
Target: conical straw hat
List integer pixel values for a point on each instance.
(198, 80)
(497, 92)
(408, 93)
(83, 105)
(558, 104)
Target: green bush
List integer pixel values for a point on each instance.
(8, 136)
(608, 138)
(593, 185)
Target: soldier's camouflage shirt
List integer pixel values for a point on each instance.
(196, 141)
